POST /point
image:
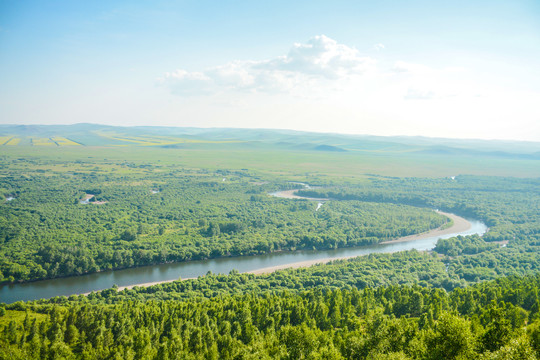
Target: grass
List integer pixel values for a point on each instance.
(155, 140)
(5, 139)
(62, 141)
(13, 141)
(266, 160)
(42, 142)
(38, 141)
(114, 149)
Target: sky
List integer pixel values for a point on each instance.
(458, 69)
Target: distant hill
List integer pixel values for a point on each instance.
(328, 148)
(86, 134)
(446, 150)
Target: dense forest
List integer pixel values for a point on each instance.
(147, 215)
(509, 206)
(491, 320)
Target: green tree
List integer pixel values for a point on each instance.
(451, 338)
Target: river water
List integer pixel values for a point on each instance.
(191, 269)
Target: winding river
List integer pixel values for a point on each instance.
(253, 264)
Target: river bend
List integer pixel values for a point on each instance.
(192, 269)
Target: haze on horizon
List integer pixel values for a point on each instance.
(445, 69)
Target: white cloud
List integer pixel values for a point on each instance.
(320, 59)
(379, 47)
(321, 56)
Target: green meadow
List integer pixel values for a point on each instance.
(278, 160)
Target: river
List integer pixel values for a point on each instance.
(192, 269)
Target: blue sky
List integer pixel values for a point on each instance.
(465, 69)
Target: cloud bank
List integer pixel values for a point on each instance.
(320, 60)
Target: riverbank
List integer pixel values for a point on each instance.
(163, 273)
(459, 225)
(291, 194)
(266, 263)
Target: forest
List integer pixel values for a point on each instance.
(139, 219)
(490, 320)
(70, 212)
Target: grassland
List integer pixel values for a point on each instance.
(62, 141)
(294, 155)
(154, 140)
(13, 141)
(294, 165)
(42, 142)
(37, 141)
(5, 139)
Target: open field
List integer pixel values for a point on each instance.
(42, 142)
(13, 141)
(296, 165)
(155, 140)
(274, 153)
(5, 139)
(37, 141)
(62, 141)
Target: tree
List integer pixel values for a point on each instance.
(128, 235)
(452, 338)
